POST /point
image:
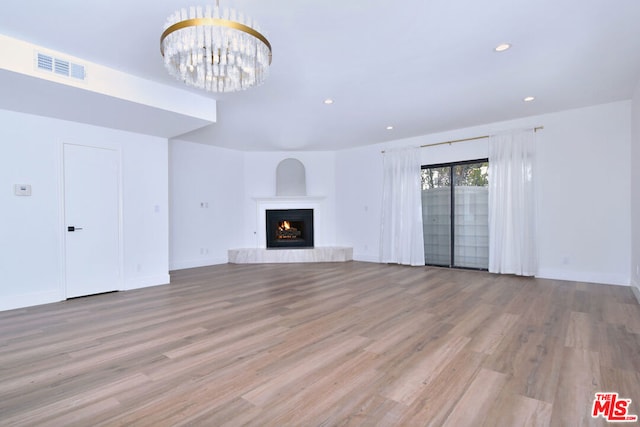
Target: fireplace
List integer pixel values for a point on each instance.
(289, 228)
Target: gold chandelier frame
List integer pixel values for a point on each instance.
(199, 22)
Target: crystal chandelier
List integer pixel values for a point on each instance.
(216, 49)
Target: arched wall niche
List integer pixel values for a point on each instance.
(291, 179)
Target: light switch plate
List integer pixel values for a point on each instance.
(22, 189)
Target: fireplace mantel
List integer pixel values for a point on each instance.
(288, 199)
(288, 202)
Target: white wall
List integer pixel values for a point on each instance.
(207, 203)
(260, 182)
(635, 191)
(229, 182)
(584, 206)
(583, 189)
(32, 231)
(146, 209)
(358, 201)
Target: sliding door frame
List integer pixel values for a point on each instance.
(452, 201)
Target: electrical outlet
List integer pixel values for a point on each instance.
(22, 189)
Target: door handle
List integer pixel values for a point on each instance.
(72, 228)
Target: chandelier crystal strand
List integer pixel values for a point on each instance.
(215, 49)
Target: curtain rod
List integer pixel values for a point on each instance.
(535, 129)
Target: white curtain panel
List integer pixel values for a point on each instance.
(401, 237)
(512, 234)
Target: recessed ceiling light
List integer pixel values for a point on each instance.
(389, 127)
(502, 47)
(328, 101)
(529, 99)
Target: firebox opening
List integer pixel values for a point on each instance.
(289, 228)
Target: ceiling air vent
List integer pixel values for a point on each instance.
(45, 62)
(60, 66)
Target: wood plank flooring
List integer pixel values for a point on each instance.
(343, 344)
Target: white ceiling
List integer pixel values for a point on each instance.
(422, 66)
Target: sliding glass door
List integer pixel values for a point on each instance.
(436, 214)
(455, 214)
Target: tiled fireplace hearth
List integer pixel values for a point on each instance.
(264, 256)
(302, 239)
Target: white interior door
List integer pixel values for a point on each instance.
(92, 220)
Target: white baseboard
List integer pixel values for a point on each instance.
(144, 282)
(201, 262)
(27, 300)
(635, 287)
(636, 292)
(366, 258)
(47, 297)
(605, 279)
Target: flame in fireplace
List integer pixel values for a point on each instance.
(286, 231)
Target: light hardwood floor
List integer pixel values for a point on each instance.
(323, 344)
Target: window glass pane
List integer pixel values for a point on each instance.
(471, 216)
(436, 215)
